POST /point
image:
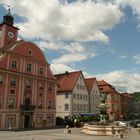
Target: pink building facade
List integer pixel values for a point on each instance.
(27, 85)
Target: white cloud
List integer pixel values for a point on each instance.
(137, 58)
(70, 58)
(134, 4)
(80, 21)
(73, 52)
(61, 68)
(124, 81)
(123, 56)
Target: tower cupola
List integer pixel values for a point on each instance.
(8, 18)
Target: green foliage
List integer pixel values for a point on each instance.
(136, 95)
(60, 121)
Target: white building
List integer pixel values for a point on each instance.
(94, 95)
(72, 95)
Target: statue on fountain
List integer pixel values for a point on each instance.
(103, 108)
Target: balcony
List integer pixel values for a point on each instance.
(27, 108)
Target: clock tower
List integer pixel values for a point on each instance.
(8, 33)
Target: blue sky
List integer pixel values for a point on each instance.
(99, 37)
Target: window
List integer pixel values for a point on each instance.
(84, 106)
(29, 67)
(49, 86)
(66, 107)
(84, 97)
(13, 81)
(0, 120)
(41, 71)
(73, 95)
(1, 79)
(14, 64)
(49, 120)
(49, 104)
(39, 121)
(77, 107)
(74, 106)
(41, 94)
(9, 121)
(28, 83)
(12, 91)
(80, 97)
(80, 107)
(30, 52)
(77, 96)
(1, 53)
(0, 102)
(66, 95)
(41, 85)
(78, 86)
(83, 87)
(40, 104)
(11, 102)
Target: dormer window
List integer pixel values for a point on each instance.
(30, 52)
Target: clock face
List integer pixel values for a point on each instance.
(11, 34)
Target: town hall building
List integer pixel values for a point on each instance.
(27, 85)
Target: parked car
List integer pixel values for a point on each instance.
(134, 123)
(119, 123)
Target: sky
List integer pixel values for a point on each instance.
(99, 37)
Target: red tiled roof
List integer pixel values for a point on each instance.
(89, 83)
(126, 95)
(102, 83)
(67, 80)
(106, 87)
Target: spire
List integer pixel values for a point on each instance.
(8, 18)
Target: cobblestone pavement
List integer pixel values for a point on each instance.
(58, 134)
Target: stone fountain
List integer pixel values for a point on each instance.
(102, 128)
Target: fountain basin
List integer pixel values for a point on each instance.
(101, 130)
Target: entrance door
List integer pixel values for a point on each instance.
(26, 121)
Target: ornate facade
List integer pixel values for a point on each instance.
(27, 85)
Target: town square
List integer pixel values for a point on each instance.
(69, 69)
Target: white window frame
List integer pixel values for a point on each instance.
(13, 81)
(1, 79)
(29, 67)
(14, 64)
(66, 95)
(66, 107)
(41, 71)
